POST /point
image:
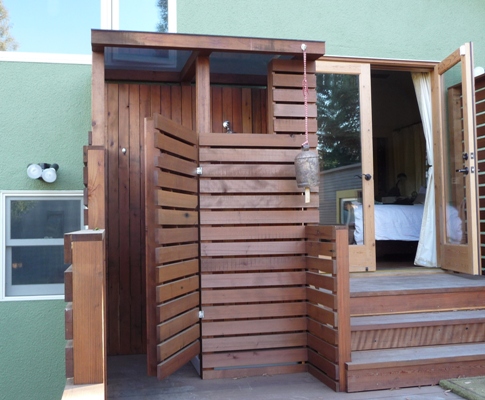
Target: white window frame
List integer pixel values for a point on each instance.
(110, 15)
(5, 224)
(110, 19)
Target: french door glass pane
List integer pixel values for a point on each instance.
(455, 154)
(339, 145)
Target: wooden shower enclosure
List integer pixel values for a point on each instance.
(212, 251)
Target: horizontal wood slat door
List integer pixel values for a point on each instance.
(172, 245)
(252, 231)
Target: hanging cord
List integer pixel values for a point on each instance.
(305, 93)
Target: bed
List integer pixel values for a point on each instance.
(403, 222)
(392, 222)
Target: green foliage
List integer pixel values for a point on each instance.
(21, 207)
(338, 117)
(162, 26)
(7, 42)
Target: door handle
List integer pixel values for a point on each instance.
(367, 177)
(464, 171)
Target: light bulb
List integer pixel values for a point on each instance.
(49, 175)
(34, 171)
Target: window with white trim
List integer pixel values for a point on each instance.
(34, 224)
(64, 27)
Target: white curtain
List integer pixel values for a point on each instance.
(426, 253)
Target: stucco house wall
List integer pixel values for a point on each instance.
(45, 115)
(405, 29)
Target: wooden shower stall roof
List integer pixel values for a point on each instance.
(176, 41)
(234, 60)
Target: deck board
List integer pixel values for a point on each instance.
(371, 285)
(417, 319)
(416, 355)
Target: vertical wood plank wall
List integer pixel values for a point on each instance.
(126, 107)
(252, 230)
(480, 109)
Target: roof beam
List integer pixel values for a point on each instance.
(101, 39)
(188, 71)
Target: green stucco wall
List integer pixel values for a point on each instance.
(45, 115)
(404, 29)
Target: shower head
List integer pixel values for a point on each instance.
(227, 126)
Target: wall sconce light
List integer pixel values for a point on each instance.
(44, 171)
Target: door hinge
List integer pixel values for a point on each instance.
(201, 314)
(199, 170)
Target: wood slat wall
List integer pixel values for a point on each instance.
(328, 299)
(285, 98)
(252, 220)
(172, 245)
(126, 106)
(480, 110)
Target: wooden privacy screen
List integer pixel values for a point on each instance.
(127, 105)
(328, 302)
(480, 109)
(252, 231)
(172, 246)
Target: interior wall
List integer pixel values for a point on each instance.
(399, 145)
(127, 105)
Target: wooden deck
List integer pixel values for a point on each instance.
(411, 279)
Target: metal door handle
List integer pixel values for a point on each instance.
(464, 171)
(367, 177)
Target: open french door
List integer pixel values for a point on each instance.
(454, 122)
(345, 125)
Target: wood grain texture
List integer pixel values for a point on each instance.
(251, 214)
(253, 280)
(249, 358)
(328, 304)
(242, 311)
(172, 243)
(121, 109)
(259, 326)
(251, 264)
(89, 352)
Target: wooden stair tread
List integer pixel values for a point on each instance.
(416, 356)
(394, 321)
(426, 283)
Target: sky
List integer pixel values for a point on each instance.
(64, 26)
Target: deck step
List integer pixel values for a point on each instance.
(413, 366)
(417, 329)
(411, 294)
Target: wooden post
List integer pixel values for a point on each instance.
(98, 122)
(203, 96)
(96, 187)
(86, 251)
(343, 303)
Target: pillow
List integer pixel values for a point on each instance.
(420, 198)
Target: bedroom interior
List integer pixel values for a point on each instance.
(399, 149)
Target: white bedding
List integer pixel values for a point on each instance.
(392, 222)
